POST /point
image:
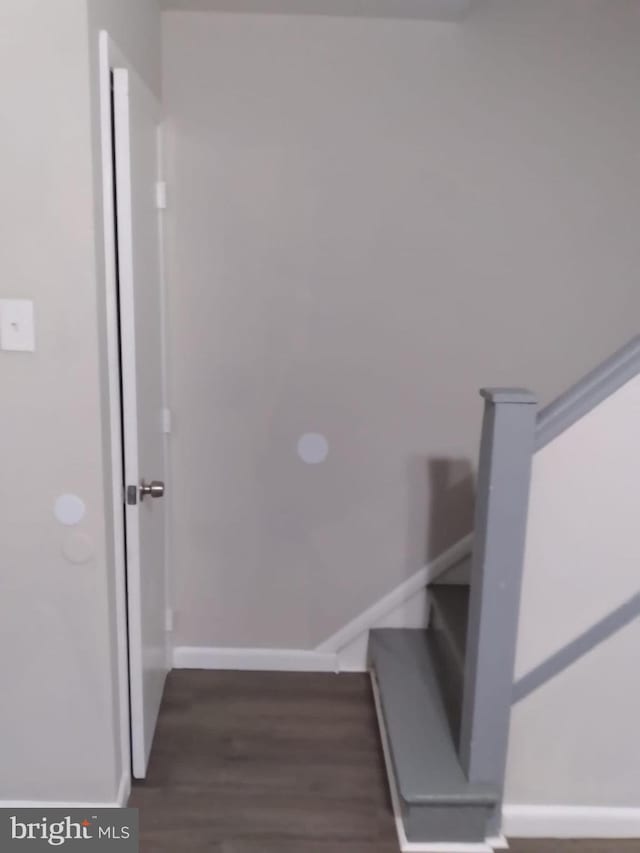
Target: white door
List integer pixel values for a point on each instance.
(136, 116)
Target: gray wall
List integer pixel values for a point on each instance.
(59, 714)
(135, 28)
(369, 220)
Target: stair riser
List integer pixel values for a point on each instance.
(463, 824)
(455, 647)
(451, 679)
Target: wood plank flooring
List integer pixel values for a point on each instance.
(276, 763)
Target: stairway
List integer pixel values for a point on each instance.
(418, 677)
(443, 694)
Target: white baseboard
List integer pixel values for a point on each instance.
(354, 656)
(444, 847)
(394, 601)
(277, 660)
(122, 798)
(570, 822)
(405, 845)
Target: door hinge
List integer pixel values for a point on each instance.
(168, 619)
(161, 195)
(166, 421)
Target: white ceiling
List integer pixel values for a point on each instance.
(436, 10)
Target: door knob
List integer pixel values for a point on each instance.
(155, 489)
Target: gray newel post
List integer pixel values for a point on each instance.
(504, 471)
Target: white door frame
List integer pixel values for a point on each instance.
(111, 57)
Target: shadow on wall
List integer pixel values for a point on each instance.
(441, 506)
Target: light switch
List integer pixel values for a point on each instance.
(16, 325)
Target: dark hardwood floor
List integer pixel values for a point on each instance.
(276, 763)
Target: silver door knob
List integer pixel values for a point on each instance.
(155, 489)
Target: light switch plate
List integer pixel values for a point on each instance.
(17, 331)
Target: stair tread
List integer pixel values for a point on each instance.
(423, 752)
(451, 604)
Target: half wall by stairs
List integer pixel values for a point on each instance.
(444, 695)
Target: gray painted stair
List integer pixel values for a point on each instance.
(451, 613)
(449, 619)
(437, 801)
